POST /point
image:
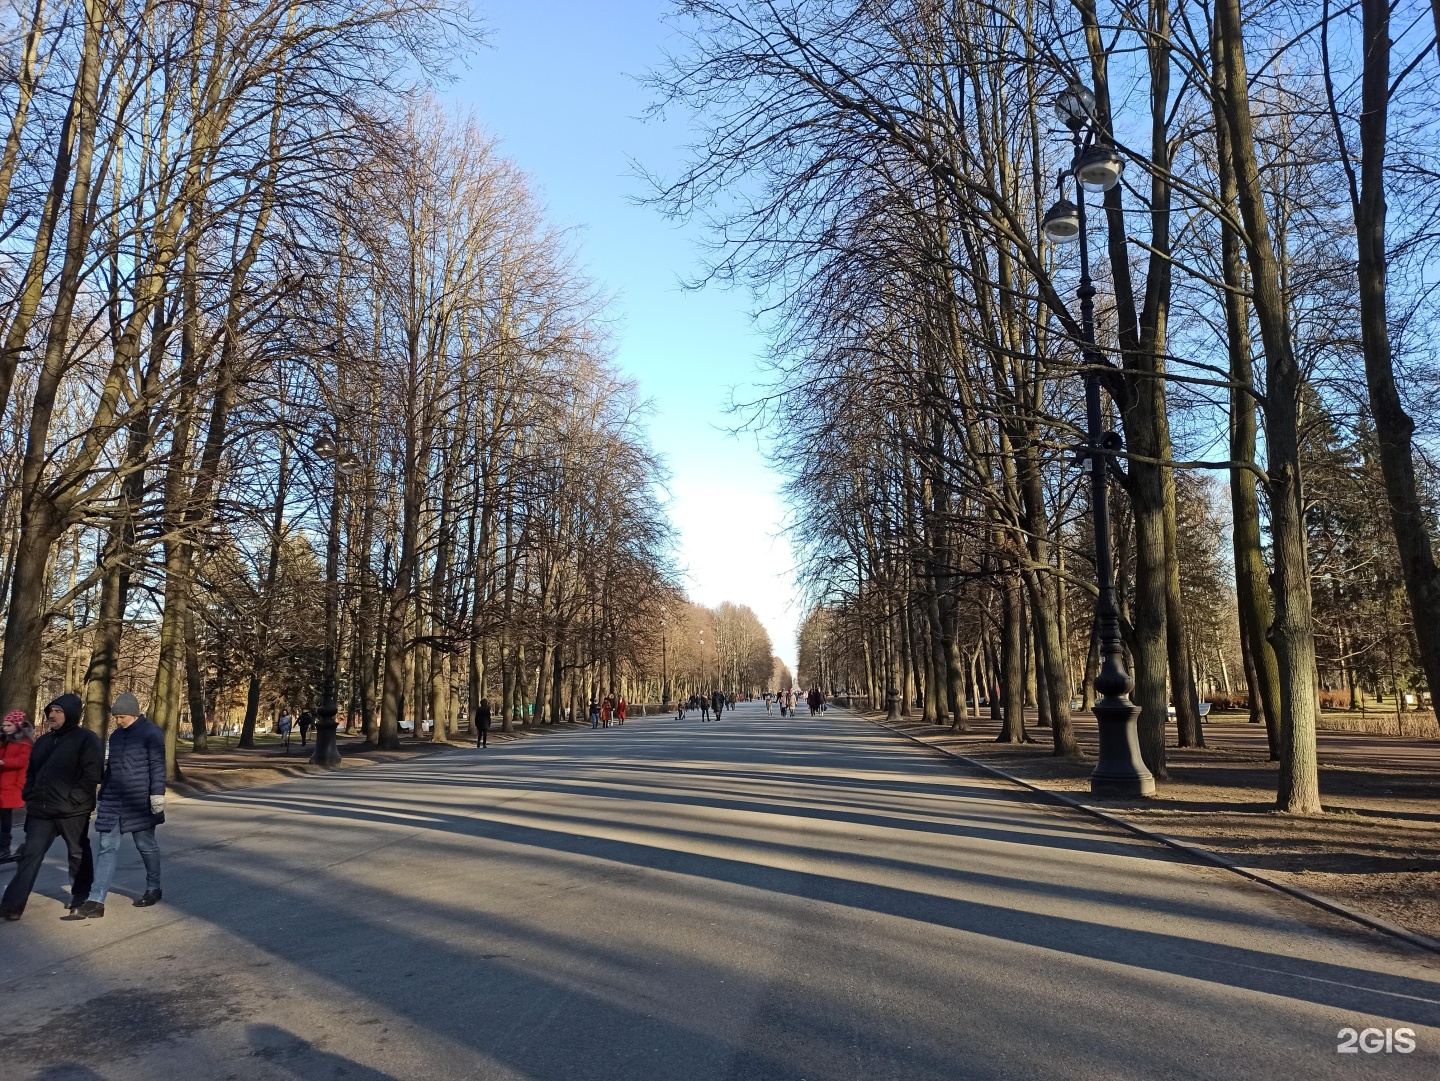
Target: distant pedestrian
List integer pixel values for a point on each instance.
(767, 701)
(66, 764)
(704, 709)
(717, 704)
(594, 712)
(606, 708)
(132, 800)
(621, 708)
(482, 723)
(16, 736)
(282, 728)
(306, 720)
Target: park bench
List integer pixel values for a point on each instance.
(1204, 710)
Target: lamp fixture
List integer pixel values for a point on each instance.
(1061, 222)
(1075, 105)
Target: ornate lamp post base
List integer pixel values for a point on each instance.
(1120, 772)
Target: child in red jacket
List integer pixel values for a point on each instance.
(16, 736)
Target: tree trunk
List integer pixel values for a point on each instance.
(195, 687)
(1252, 588)
(392, 700)
(1148, 642)
(1182, 671)
(267, 600)
(1291, 633)
(1012, 663)
(1394, 428)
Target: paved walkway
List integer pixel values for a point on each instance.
(761, 899)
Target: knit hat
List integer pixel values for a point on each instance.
(24, 730)
(125, 706)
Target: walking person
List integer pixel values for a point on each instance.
(66, 765)
(306, 720)
(482, 723)
(767, 701)
(717, 704)
(594, 712)
(16, 736)
(606, 707)
(704, 708)
(621, 708)
(132, 800)
(283, 726)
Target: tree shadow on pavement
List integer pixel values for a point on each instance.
(1340, 986)
(301, 1058)
(959, 822)
(67, 1071)
(566, 832)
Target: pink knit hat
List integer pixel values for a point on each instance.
(15, 717)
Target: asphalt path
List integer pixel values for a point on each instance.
(797, 899)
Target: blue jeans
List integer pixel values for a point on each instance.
(108, 856)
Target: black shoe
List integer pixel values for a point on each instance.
(10, 914)
(75, 906)
(150, 897)
(91, 910)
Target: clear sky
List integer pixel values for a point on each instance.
(558, 87)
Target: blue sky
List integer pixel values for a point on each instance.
(557, 86)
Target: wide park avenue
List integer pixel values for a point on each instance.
(759, 899)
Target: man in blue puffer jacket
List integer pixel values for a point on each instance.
(132, 800)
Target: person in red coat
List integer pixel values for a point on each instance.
(16, 736)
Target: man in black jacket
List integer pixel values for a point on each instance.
(65, 766)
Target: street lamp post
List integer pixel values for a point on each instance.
(664, 668)
(1119, 769)
(327, 750)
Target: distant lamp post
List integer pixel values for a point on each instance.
(664, 667)
(345, 462)
(1119, 769)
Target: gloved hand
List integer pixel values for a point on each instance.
(157, 804)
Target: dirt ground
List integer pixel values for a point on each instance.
(1376, 847)
(225, 766)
